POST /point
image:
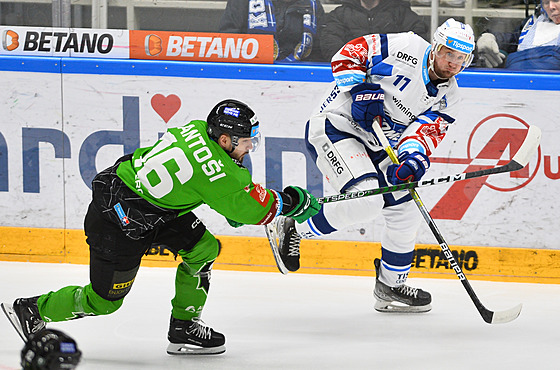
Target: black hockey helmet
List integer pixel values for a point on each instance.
(236, 119)
(50, 349)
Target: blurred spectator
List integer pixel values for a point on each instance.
(535, 46)
(355, 18)
(451, 3)
(294, 24)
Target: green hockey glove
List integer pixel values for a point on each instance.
(303, 206)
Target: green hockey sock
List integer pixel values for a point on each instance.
(192, 280)
(73, 302)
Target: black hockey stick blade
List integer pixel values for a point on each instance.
(519, 160)
(272, 235)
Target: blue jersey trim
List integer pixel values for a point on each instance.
(397, 259)
(306, 72)
(384, 46)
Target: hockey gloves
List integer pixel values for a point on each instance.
(367, 103)
(303, 204)
(489, 53)
(411, 168)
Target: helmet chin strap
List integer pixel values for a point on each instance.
(233, 144)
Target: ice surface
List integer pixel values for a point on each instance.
(299, 321)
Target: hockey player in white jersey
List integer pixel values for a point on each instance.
(408, 85)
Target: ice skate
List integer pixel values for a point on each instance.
(284, 241)
(193, 337)
(24, 316)
(402, 298)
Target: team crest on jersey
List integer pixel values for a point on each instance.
(433, 131)
(357, 51)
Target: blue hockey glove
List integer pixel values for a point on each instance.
(303, 206)
(411, 168)
(234, 223)
(367, 103)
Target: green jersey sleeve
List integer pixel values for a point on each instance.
(185, 169)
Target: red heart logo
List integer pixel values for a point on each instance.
(166, 106)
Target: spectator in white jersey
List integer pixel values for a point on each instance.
(409, 85)
(535, 46)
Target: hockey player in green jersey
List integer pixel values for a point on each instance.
(147, 198)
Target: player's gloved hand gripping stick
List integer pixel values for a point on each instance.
(491, 317)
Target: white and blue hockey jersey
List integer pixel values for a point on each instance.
(418, 110)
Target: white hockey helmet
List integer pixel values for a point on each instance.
(457, 36)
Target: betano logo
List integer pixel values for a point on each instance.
(496, 139)
(152, 45)
(10, 40)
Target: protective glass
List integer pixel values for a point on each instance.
(255, 142)
(453, 56)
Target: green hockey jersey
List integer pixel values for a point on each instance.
(185, 169)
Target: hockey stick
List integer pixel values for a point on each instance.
(491, 317)
(519, 160)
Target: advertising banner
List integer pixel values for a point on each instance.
(125, 44)
(209, 47)
(64, 42)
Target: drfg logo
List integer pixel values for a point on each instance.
(493, 141)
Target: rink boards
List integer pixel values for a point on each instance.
(64, 119)
(318, 257)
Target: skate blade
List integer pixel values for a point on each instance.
(183, 349)
(12, 317)
(395, 307)
(272, 235)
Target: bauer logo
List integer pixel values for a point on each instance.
(10, 40)
(434, 258)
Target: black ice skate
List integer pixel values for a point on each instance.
(284, 240)
(399, 299)
(24, 316)
(193, 337)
